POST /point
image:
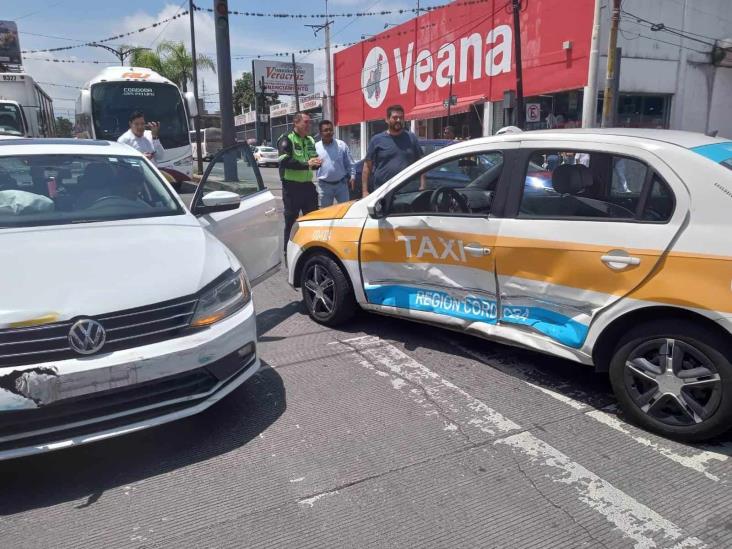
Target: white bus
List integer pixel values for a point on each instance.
(210, 143)
(106, 102)
(25, 109)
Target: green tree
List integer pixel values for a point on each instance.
(243, 92)
(64, 127)
(173, 61)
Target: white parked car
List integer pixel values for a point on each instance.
(266, 156)
(611, 248)
(122, 309)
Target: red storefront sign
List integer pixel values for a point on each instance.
(472, 41)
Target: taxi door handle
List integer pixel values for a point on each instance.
(270, 212)
(620, 261)
(475, 249)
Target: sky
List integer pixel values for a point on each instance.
(69, 22)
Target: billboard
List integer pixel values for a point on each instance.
(9, 43)
(278, 77)
(472, 44)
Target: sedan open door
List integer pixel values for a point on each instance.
(252, 231)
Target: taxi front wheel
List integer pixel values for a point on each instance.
(327, 291)
(674, 378)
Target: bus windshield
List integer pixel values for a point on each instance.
(113, 102)
(11, 122)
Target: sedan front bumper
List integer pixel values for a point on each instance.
(50, 406)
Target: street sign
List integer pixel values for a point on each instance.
(9, 43)
(278, 77)
(533, 112)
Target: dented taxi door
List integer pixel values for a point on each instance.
(431, 263)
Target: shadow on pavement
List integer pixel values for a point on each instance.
(88, 471)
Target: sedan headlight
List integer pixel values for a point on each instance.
(222, 300)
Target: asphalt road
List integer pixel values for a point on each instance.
(381, 434)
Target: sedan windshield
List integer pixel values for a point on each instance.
(62, 189)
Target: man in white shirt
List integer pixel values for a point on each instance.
(337, 170)
(147, 142)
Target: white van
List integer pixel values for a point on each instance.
(210, 143)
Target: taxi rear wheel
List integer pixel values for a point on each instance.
(327, 291)
(675, 379)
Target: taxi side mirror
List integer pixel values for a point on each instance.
(377, 210)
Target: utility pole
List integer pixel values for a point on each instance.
(449, 102)
(197, 118)
(257, 129)
(263, 103)
(294, 81)
(520, 112)
(589, 101)
(609, 96)
(326, 27)
(226, 103)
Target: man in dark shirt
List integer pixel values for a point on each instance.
(390, 151)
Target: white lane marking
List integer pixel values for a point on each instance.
(311, 501)
(630, 517)
(445, 394)
(698, 461)
(634, 519)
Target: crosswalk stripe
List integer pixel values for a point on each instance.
(691, 458)
(460, 410)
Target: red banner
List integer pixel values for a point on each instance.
(472, 42)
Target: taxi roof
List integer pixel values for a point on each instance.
(684, 139)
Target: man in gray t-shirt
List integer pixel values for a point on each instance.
(390, 151)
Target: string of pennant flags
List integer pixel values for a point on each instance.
(184, 13)
(111, 38)
(52, 60)
(400, 11)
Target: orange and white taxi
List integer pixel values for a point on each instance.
(609, 248)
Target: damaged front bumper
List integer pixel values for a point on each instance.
(64, 403)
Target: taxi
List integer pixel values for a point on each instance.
(606, 247)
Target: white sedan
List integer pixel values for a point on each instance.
(266, 156)
(122, 309)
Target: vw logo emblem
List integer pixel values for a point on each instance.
(87, 336)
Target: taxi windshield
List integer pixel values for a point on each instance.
(59, 189)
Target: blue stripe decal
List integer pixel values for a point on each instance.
(719, 152)
(559, 327)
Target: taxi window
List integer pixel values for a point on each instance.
(463, 185)
(592, 185)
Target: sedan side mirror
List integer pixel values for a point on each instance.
(218, 201)
(377, 210)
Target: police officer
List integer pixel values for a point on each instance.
(298, 159)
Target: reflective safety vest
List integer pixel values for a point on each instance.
(300, 149)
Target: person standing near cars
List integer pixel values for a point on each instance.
(146, 142)
(337, 171)
(298, 159)
(390, 151)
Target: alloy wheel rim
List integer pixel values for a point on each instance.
(673, 382)
(320, 287)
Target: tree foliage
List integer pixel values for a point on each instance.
(64, 127)
(173, 61)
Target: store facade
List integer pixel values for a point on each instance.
(468, 47)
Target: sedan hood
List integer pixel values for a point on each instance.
(58, 273)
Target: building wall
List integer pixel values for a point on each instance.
(659, 62)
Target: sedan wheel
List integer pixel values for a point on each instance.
(327, 291)
(674, 380)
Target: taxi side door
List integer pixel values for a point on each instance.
(586, 224)
(427, 246)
